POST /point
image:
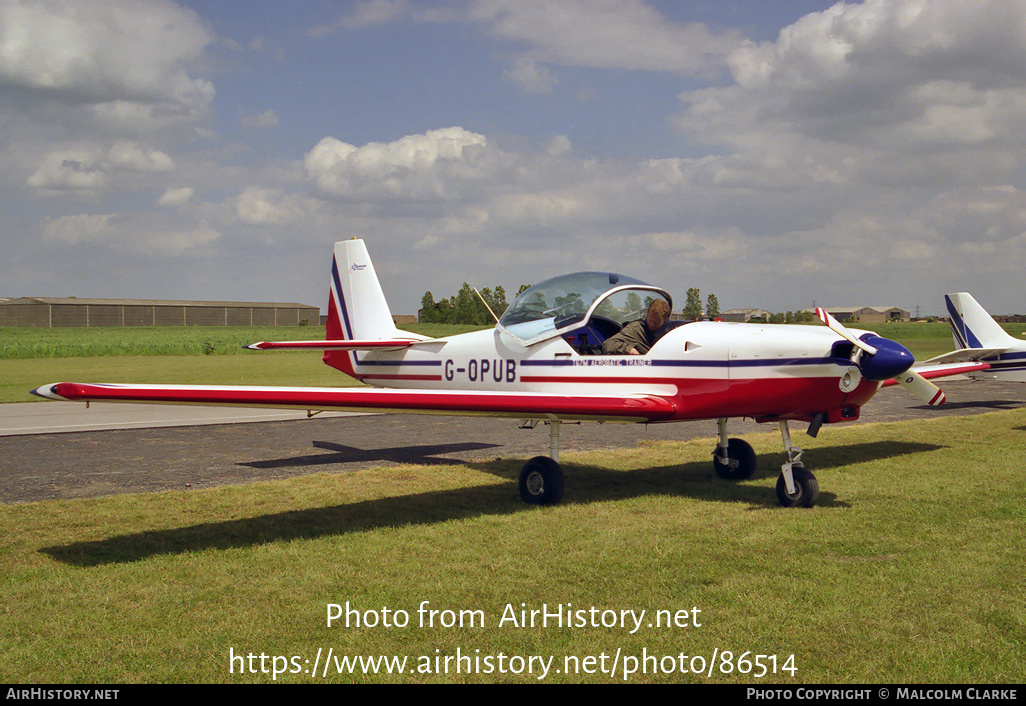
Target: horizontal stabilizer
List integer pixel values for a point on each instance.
(340, 345)
(964, 355)
(942, 371)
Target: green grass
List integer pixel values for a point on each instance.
(908, 571)
(24, 343)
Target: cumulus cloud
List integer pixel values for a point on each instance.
(90, 168)
(127, 233)
(176, 197)
(261, 206)
(365, 14)
(531, 77)
(878, 106)
(105, 52)
(268, 118)
(921, 73)
(429, 166)
(621, 34)
(608, 34)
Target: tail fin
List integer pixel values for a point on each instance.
(357, 309)
(972, 326)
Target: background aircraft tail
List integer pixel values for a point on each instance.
(972, 326)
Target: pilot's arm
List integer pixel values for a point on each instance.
(630, 340)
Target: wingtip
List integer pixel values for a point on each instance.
(47, 392)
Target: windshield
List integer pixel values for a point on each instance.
(562, 303)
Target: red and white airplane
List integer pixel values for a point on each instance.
(543, 362)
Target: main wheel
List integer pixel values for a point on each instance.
(806, 488)
(743, 456)
(541, 481)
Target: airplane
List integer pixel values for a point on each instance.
(980, 339)
(542, 362)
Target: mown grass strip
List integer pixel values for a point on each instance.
(27, 343)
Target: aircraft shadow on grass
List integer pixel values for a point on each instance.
(585, 484)
(425, 454)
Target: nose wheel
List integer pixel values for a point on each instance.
(806, 488)
(796, 486)
(734, 459)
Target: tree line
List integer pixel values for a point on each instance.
(465, 307)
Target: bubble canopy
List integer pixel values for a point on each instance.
(567, 302)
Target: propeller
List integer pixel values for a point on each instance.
(881, 359)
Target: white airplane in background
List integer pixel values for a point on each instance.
(543, 362)
(981, 339)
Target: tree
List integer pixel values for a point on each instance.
(633, 306)
(466, 306)
(712, 307)
(693, 307)
(428, 309)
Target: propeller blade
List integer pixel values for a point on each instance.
(838, 328)
(921, 387)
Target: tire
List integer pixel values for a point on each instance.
(737, 450)
(541, 481)
(806, 488)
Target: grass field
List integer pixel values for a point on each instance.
(909, 570)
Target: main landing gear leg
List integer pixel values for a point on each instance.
(796, 487)
(541, 478)
(733, 459)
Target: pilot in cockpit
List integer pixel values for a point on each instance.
(637, 337)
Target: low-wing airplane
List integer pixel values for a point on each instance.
(543, 362)
(980, 339)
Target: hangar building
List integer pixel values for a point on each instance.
(46, 312)
(744, 315)
(869, 314)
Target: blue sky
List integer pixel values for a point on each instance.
(776, 154)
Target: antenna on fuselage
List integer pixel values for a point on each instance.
(486, 305)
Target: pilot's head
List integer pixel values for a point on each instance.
(658, 314)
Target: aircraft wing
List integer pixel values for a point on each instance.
(630, 408)
(375, 344)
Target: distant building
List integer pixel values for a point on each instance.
(46, 312)
(869, 314)
(744, 315)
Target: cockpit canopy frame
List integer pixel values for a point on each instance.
(565, 303)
